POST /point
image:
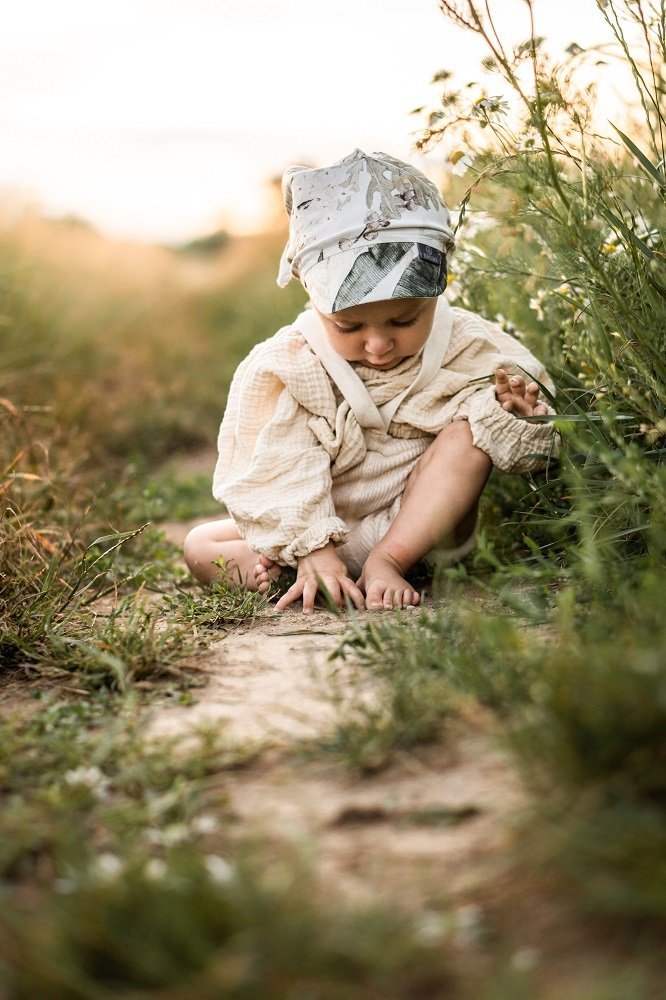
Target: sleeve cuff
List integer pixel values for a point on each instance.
(329, 529)
(512, 443)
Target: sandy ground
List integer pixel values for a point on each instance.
(437, 823)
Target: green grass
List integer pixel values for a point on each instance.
(581, 706)
(120, 874)
(218, 606)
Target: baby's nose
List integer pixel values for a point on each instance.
(378, 345)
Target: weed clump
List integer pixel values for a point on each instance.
(563, 235)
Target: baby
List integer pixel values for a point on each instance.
(359, 439)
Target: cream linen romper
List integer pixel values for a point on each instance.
(367, 531)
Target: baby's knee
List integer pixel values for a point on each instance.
(458, 431)
(454, 439)
(456, 442)
(193, 544)
(197, 543)
(205, 542)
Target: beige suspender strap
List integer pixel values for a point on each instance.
(342, 373)
(352, 387)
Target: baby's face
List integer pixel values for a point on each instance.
(380, 334)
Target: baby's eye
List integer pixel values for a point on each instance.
(349, 329)
(405, 322)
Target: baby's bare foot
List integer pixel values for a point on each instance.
(265, 573)
(384, 585)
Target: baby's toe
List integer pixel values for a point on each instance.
(374, 598)
(265, 572)
(405, 598)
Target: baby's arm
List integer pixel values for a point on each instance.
(322, 570)
(517, 397)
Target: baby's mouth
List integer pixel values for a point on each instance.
(384, 364)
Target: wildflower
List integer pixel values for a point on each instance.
(525, 959)
(176, 833)
(64, 886)
(203, 824)
(469, 924)
(536, 305)
(219, 870)
(484, 107)
(460, 162)
(431, 928)
(453, 289)
(153, 836)
(107, 867)
(89, 777)
(156, 869)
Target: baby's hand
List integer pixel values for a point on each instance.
(517, 397)
(322, 570)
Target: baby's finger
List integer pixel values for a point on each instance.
(517, 383)
(502, 386)
(532, 393)
(309, 596)
(293, 594)
(350, 590)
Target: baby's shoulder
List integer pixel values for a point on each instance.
(287, 360)
(286, 348)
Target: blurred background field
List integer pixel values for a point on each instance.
(115, 364)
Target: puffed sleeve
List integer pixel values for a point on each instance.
(272, 473)
(515, 444)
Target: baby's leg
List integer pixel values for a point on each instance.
(213, 540)
(438, 508)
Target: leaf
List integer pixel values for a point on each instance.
(647, 165)
(630, 235)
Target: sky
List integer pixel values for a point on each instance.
(161, 120)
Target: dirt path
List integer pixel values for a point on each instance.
(436, 823)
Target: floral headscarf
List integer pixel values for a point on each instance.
(366, 229)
